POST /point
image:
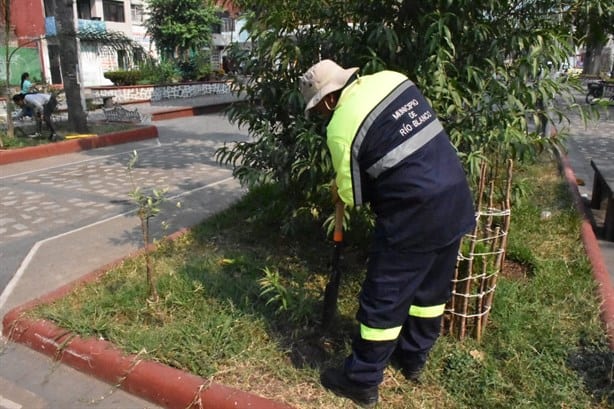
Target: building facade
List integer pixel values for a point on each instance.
(34, 29)
(101, 16)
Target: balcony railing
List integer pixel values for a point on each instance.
(92, 26)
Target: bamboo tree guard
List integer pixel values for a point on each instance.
(481, 257)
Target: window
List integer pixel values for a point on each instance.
(137, 13)
(226, 24)
(84, 10)
(49, 5)
(139, 55)
(122, 59)
(113, 10)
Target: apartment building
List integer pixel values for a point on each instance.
(125, 16)
(35, 28)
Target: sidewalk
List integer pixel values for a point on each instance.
(595, 140)
(65, 216)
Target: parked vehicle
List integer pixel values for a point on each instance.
(599, 89)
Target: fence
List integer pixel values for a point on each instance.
(481, 257)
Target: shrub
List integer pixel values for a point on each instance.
(122, 77)
(163, 72)
(197, 68)
(479, 76)
(188, 70)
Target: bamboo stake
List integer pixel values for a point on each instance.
(485, 278)
(485, 257)
(463, 317)
(486, 281)
(448, 322)
(506, 228)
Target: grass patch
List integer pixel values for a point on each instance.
(22, 140)
(544, 346)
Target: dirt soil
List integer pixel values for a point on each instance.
(514, 270)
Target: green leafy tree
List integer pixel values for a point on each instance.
(483, 65)
(181, 27)
(593, 21)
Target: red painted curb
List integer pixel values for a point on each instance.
(157, 383)
(76, 145)
(152, 381)
(593, 251)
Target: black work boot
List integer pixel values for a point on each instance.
(337, 382)
(411, 374)
(410, 370)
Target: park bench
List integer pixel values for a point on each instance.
(121, 114)
(600, 89)
(105, 101)
(603, 183)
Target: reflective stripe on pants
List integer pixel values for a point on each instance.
(391, 334)
(401, 306)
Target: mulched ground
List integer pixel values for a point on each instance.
(514, 270)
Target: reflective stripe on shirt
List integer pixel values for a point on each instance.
(405, 149)
(362, 132)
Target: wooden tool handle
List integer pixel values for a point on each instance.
(339, 215)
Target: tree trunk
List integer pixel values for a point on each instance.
(6, 17)
(69, 64)
(592, 59)
(152, 292)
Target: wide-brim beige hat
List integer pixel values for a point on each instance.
(322, 79)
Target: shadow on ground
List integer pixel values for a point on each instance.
(596, 368)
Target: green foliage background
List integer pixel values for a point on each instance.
(483, 65)
(179, 27)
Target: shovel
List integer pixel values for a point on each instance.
(331, 293)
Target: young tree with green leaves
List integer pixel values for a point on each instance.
(181, 27)
(481, 64)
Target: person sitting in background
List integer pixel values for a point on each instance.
(42, 105)
(26, 85)
(26, 88)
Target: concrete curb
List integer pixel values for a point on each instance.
(593, 251)
(160, 384)
(76, 145)
(189, 111)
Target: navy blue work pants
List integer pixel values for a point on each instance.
(397, 280)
